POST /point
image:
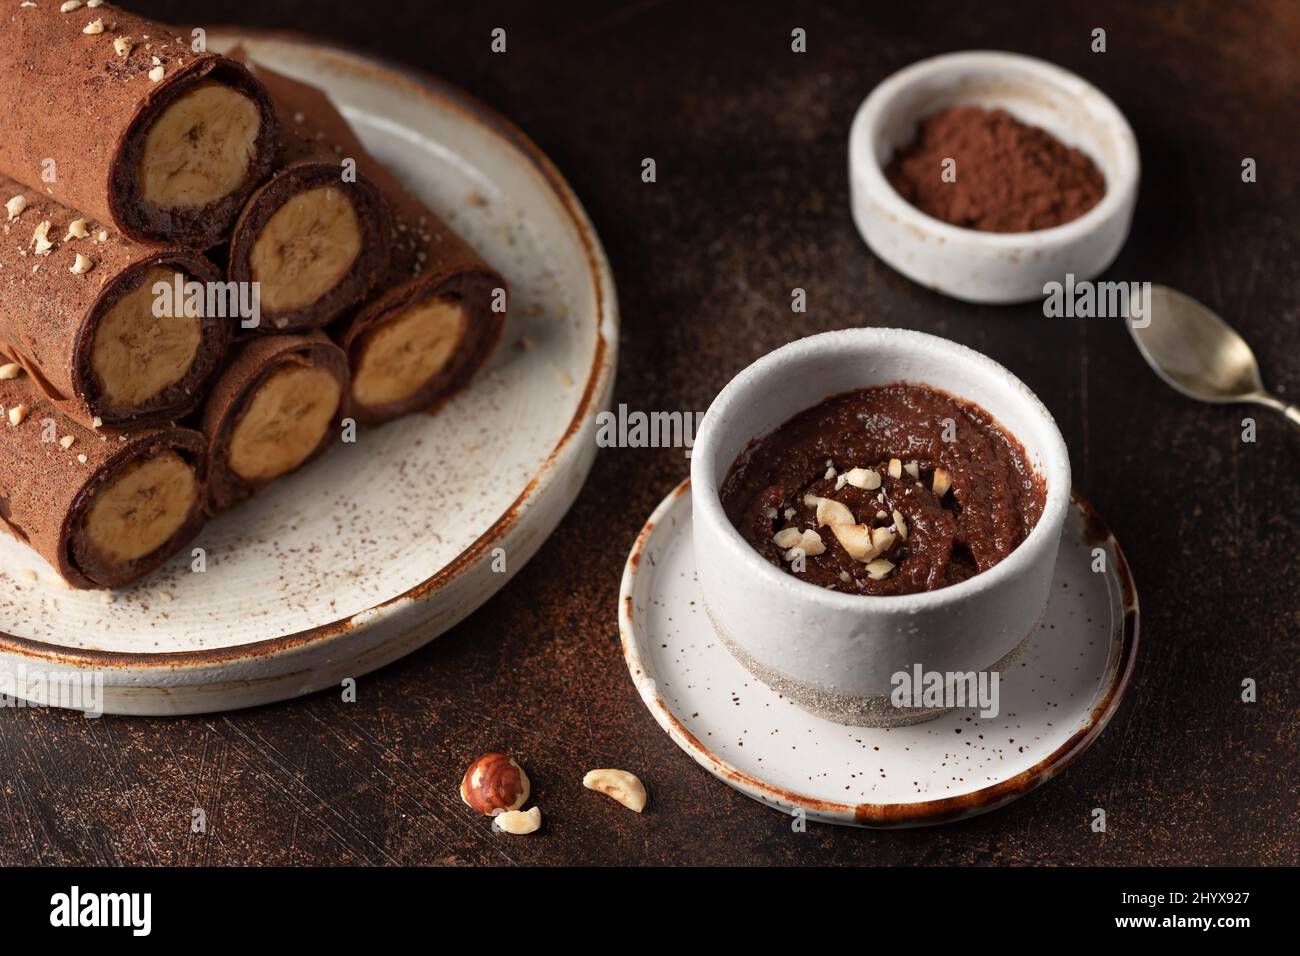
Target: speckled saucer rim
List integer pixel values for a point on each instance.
(596, 390)
(888, 815)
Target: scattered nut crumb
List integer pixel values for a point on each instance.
(18, 414)
(93, 27)
(10, 370)
(620, 785)
(122, 45)
(40, 238)
(30, 575)
(69, 6)
(519, 822)
(15, 207)
(165, 597)
(66, 441)
(76, 230)
(157, 73)
(81, 458)
(81, 266)
(96, 422)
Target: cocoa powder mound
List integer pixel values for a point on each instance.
(1010, 176)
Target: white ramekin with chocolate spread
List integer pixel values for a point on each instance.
(871, 500)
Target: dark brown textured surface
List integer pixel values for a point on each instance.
(751, 201)
(69, 97)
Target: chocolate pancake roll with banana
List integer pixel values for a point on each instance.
(102, 510)
(431, 323)
(117, 116)
(96, 319)
(315, 237)
(274, 408)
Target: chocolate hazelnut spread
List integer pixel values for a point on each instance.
(896, 489)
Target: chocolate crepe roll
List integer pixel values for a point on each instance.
(314, 242)
(430, 326)
(77, 311)
(274, 408)
(163, 143)
(103, 510)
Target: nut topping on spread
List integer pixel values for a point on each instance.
(906, 521)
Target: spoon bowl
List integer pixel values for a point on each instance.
(1199, 354)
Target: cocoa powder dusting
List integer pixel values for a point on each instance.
(1010, 177)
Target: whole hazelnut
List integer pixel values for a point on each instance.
(493, 784)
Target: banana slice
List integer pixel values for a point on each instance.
(199, 149)
(305, 249)
(398, 357)
(284, 422)
(136, 354)
(142, 507)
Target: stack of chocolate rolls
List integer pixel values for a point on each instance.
(151, 194)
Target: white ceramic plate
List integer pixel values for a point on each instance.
(382, 545)
(1054, 701)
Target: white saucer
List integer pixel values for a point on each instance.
(1054, 702)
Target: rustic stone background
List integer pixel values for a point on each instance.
(752, 200)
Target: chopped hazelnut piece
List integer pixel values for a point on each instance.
(811, 544)
(895, 468)
(769, 513)
(882, 539)
(81, 266)
(787, 538)
(942, 482)
(76, 230)
(900, 524)
(879, 569)
(790, 513)
(855, 539)
(66, 441)
(157, 73)
(844, 576)
(122, 45)
(93, 27)
(40, 238)
(69, 6)
(17, 414)
(830, 511)
(913, 469)
(10, 370)
(863, 478)
(15, 206)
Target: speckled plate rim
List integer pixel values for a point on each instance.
(887, 815)
(567, 452)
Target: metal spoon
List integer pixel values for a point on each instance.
(1199, 354)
